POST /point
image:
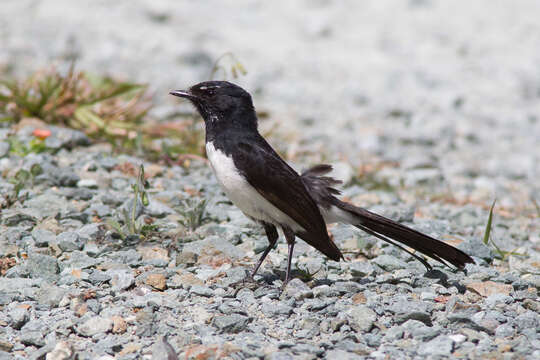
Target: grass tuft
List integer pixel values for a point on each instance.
(487, 232)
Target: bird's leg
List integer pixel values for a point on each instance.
(272, 235)
(289, 236)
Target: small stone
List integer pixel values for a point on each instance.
(69, 241)
(419, 330)
(19, 316)
(119, 325)
(233, 323)
(153, 255)
(91, 232)
(42, 266)
(201, 290)
(458, 338)
(4, 148)
(475, 247)
(297, 289)
(5, 346)
(43, 237)
(359, 298)
(32, 338)
(121, 279)
(87, 183)
(50, 295)
(98, 277)
(414, 315)
(440, 346)
(157, 209)
(427, 296)
(361, 318)
(95, 325)
(487, 288)
(62, 351)
(505, 330)
(187, 258)
(362, 268)
(273, 309)
(389, 263)
(157, 281)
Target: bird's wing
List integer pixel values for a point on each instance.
(278, 183)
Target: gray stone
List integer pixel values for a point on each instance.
(19, 316)
(65, 177)
(87, 183)
(505, 330)
(440, 346)
(128, 257)
(157, 209)
(32, 338)
(475, 247)
(4, 148)
(69, 241)
(121, 279)
(43, 237)
(419, 330)
(94, 326)
(361, 318)
(163, 350)
(91, 232)
(275, 309)
(62, 351)
(212, 244)
(62, 137)
(50, 295)
(362, 268)
(79, 260)
(98, 277)
(187, 258)
(297, 289)
(42, 266)
(498, 298)
(233, 323)
(414, 315)
(389, 263)
(342, 355)
(201, 290)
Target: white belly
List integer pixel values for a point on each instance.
(242, 194)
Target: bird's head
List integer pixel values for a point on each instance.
(221, 102)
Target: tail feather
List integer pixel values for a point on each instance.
(321, 188)
(388, 230)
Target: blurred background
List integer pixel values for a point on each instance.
(417, 91)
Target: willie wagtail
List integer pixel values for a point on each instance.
(270, 192)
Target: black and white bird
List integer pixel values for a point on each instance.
(267, 190)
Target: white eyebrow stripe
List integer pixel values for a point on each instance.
(209, 87)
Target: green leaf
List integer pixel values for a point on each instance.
(22, 176)
(487, 232)
(36, 170)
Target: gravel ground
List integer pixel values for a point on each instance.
(436, 101)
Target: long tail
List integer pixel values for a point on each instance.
(335, 210)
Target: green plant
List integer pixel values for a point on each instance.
(194, 214)
(131, 225)
(503, 254)
(17, 147)
(19, 181)
(305, 274)
(101, 106)
(236, 66)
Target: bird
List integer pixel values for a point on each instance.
(270, 192)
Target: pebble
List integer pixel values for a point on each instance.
(94, 326)
(361, 318)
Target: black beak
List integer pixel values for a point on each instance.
(182, 93)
